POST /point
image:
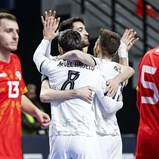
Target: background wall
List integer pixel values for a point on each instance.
(28, 14)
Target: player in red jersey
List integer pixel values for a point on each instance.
(148, 106)
(12, 88)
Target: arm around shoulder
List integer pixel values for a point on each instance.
(125, 72)
(78, 55)
(48, 94)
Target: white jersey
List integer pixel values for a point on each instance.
(106, 122)
(75, 116)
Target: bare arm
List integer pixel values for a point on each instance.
(125, 73)
(47, 94)
(78, 55)
(30, 108)
(127, 41)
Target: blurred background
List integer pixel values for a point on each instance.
(116, 15)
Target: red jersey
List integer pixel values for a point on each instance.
(11, 89)
(148, 105)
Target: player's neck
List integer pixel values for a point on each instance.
(85, 49)
(105, 57)
(5, 56)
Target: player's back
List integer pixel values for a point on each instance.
(106, 122)
(108, 68)
(74, 116)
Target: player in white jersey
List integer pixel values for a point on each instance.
(77, 24)
(72, 131)
(107, 126)
(47, 94)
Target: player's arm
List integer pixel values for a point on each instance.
(49, 33)
(26, 123)
(39, 57)
(48, 51)
(124, 75)
(30, 108)
(125, 72)
(47, 94)
(110, 105)
(49, 16)
(127, 41)
(78, 55)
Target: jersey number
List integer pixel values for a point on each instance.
(149, 85)
(72, 76)
(13, 91)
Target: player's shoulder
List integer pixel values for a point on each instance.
(113, 63)
(101, 61)
(156, 50)
(153, 50)
(14, 58)
(108, 63)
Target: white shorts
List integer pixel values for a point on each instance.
(111, 146)
(74, 147)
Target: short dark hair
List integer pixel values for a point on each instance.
(109, 42)
(4, 15)
(70, 40)
(68, 23)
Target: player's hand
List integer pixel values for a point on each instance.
(48, 15)
(43, 118)
(50, 29)
(45, 125)
(112, 86)
(50, 25)
(132, 43)
(85, 93)
(129, 38)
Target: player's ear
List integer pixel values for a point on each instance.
(60, 49)
(97, 48)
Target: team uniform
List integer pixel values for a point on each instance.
(106, 121)
(11, 89)
(148, 106)
(72, 132)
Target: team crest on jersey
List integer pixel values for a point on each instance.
(18, 74)
(3, 74)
